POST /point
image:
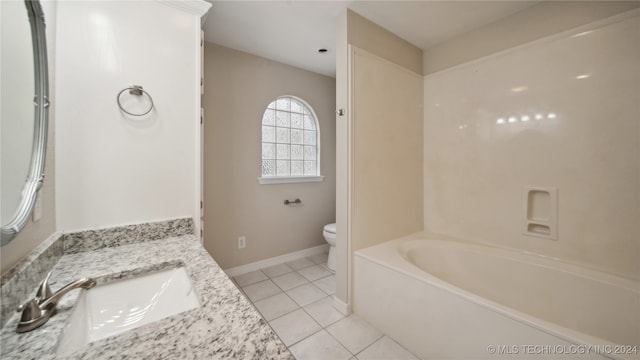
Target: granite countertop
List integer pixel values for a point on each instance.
(225, 326)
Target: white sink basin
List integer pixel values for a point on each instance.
(119, 306)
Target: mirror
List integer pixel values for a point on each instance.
(23, 111)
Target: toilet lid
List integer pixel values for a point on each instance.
(330, 228)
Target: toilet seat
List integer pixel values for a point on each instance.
(330, 228)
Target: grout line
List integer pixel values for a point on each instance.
(282, 259)
(306, 337)
(308, 283)
(298, 307)
(257, 283)
(323, 327)
(233, 278)
(271, 277)
(295, 287)
(366, 347)
(312, 264)
(338, 340)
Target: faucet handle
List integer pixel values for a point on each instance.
(44, 291)
(21, 307)
(32, 316)
(30, 310)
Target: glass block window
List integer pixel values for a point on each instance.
(290, 139)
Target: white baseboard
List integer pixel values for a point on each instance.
(341, 306)
(242, 269)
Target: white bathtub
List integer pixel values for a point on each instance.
(446, 299)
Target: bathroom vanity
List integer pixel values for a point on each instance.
(110, 272)
(223, 326)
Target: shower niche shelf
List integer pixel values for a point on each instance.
(540, 212)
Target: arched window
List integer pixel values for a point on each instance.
(290, 142)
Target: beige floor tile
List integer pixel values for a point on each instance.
(276, 306)
(250, 278)
(320, 346)
(386, 349)
(323, 311)
(261, 290)
(306, 294)
(294, 326)
(277, 270)
(354, 333)
(327, 284)
(314, 272)
(290, 280)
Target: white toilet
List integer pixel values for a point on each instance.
(329, 233)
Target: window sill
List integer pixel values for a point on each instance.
(288, 179)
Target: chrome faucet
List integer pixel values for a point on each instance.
(37, 311)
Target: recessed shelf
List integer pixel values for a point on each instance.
(540, 212)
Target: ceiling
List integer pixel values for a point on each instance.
(291, 32)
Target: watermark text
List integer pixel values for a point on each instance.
(537, 349)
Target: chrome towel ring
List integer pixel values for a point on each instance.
(136, 90)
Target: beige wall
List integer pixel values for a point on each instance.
(238, 88)
(377, 40)
(561, 112)
(34, 233)
(379, 150)
(543, 19)
(386, 124)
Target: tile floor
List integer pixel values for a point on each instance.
(296, 299)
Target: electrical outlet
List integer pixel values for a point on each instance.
(242, 242)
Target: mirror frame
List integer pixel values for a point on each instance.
(35, 178)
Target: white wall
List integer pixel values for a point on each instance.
(111, 168)
(476, 166)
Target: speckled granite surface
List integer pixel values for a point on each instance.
(123, 235)
(22, 279)
(225, 326)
